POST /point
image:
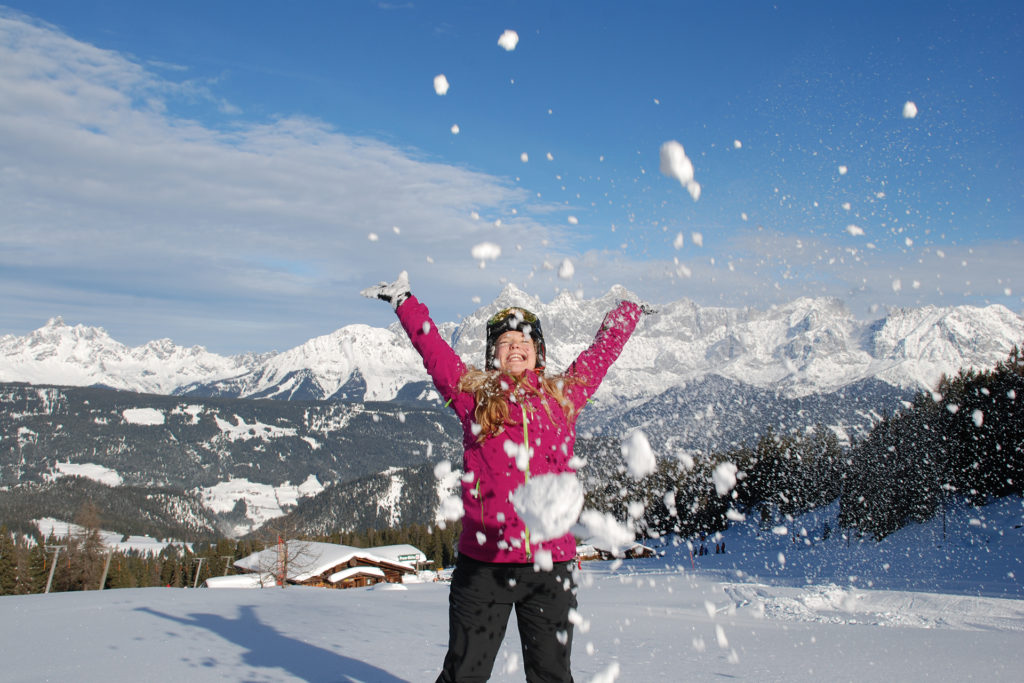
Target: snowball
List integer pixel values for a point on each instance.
(440, 84)
(520, 452)
(724, 477)
(543, 561)
(508, 40)
(451, 509)
(638, 456)
(909, 110)
(675, 164)
(442, 470)
(723, 642)
(486, 251)
(604, 531)
(549, 504)
(566, 270)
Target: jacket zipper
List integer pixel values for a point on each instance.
(526, 474)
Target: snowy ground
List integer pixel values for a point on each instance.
(744, 615)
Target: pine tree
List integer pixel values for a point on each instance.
(8, 563)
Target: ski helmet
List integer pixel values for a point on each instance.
(518, 319)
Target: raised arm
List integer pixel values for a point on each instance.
(592, 365)
(442, 363)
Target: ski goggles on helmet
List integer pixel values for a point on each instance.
(521, 314)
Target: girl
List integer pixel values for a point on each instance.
(517, 422)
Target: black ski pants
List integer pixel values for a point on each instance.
(481, 598)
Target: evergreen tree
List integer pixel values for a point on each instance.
(8, 563)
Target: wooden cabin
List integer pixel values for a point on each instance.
(329, 565)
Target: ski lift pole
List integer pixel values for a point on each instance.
(199, 569)
(53, 567)
(106, 568)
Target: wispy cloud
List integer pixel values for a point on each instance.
(118, 210)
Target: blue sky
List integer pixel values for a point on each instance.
(230, 174)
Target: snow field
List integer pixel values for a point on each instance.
(648, 620)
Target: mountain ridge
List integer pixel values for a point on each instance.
(807, 346)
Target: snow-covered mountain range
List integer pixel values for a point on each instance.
(808, 346)
(695, 380)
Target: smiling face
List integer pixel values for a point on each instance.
(515, 353)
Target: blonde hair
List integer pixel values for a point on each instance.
(491, 410)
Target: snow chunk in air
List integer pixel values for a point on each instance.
(440, 84)
(549, 504)
(675, 164)
(508, 40)
(909, 110)
(602, 530)
(724, 478)
(638, 456)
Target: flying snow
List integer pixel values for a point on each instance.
(637, 453)
(675, 164)
(440, 84)
(678, 242)
(909, 110)
(843, 170)
(603, 530)
(485, 251)
(549, 504)
(524, 157)
(724, 477)
(737, 144)
(451, 509)
(566, 270)
(855, 230)
(455, 129)
(508, 40)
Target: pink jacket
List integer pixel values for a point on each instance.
(491, 529)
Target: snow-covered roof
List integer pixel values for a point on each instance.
(355, 571)
(307, 559)
(239, 581)
(403, 552)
